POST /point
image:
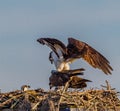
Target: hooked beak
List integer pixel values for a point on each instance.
(40, 40)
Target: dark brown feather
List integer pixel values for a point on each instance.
(60, 79)
(77, 82)
(73, 71)
(78, 49)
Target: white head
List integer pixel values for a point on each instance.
(25, 87)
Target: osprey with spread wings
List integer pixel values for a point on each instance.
(62, 55)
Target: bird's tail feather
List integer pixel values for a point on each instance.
(85, 80)
(75, 74)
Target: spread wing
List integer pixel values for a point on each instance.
(78, 49)
(56, 45)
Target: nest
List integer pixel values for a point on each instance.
(104, 99)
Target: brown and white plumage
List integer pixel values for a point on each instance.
(61, 78)
(25, 87)
(63, 55)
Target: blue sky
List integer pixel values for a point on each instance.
(24, 61)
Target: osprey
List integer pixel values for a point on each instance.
(61, 78)
(25, 87)
(62, 55)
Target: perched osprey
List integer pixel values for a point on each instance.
(61, 78)
(25, 87)
(62, 55)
